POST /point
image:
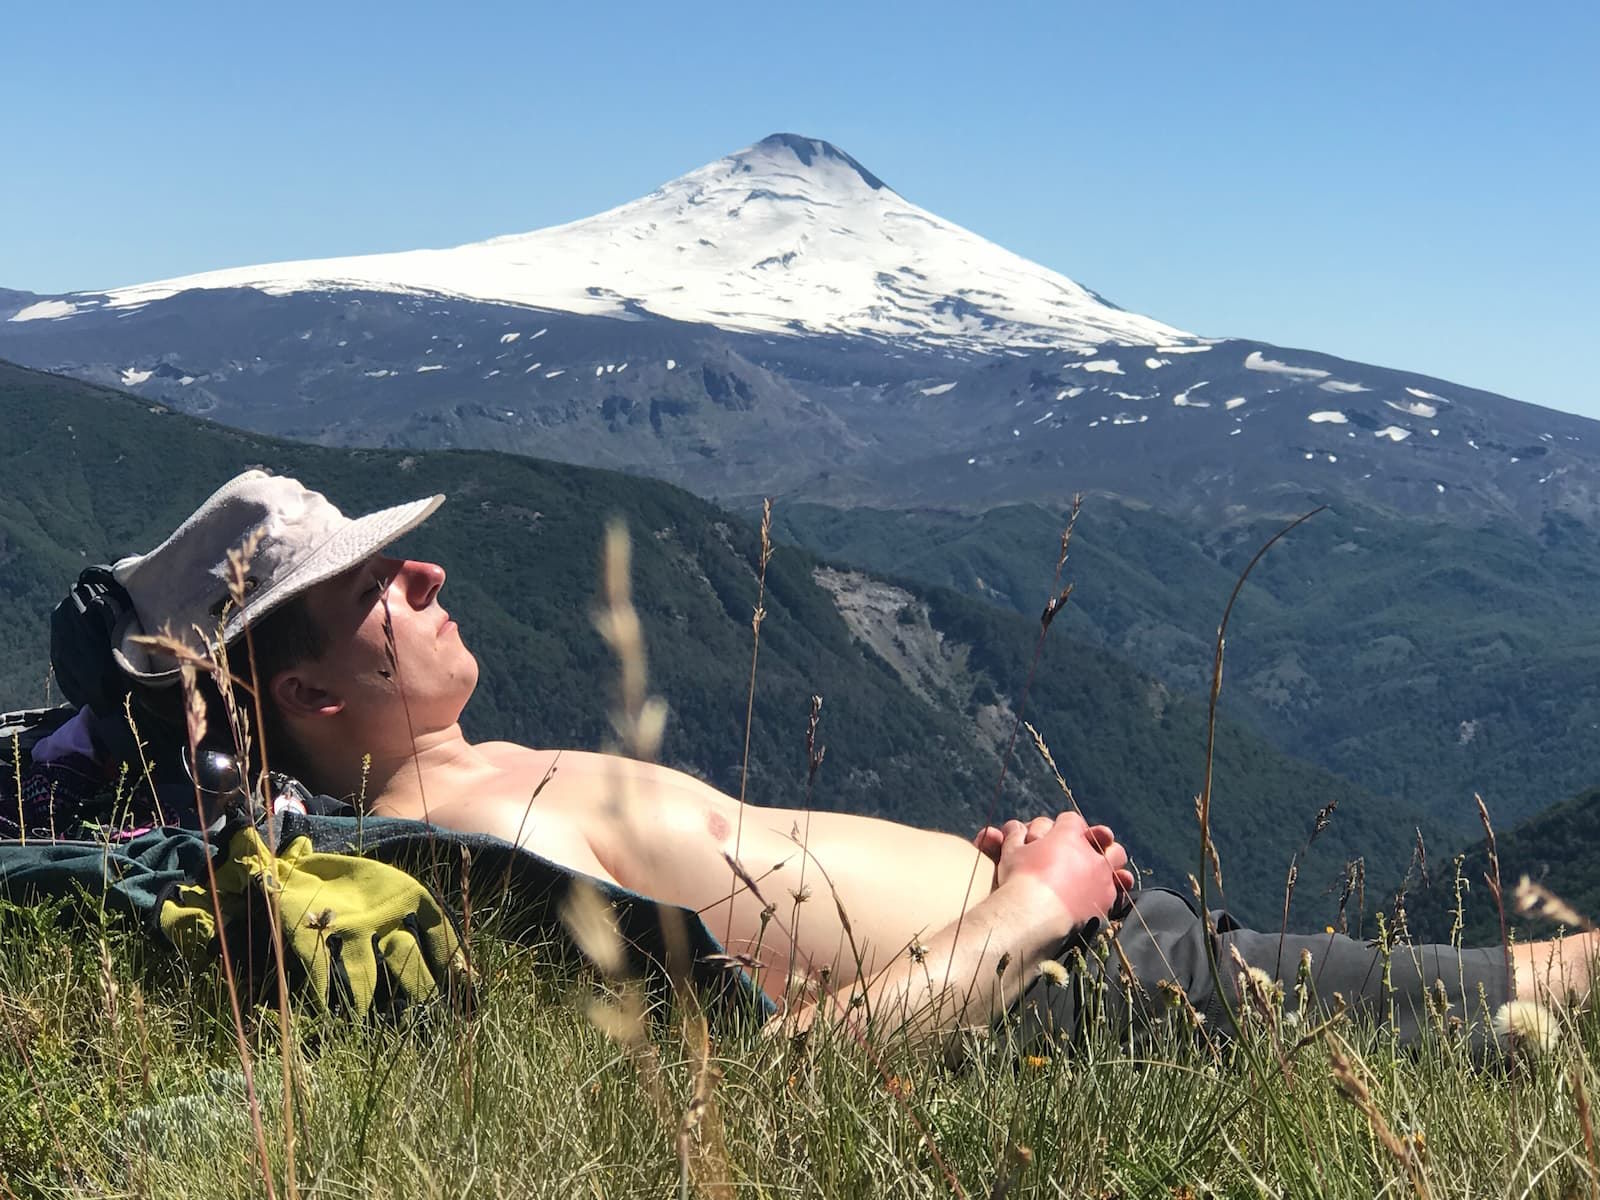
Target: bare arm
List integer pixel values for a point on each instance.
(1053, 877)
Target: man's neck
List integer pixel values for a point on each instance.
(402, 779)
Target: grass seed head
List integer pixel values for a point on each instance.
(1529, 1024)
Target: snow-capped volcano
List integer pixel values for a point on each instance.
(791, 235)
(781, 322)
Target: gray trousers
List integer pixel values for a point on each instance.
(1164, 941)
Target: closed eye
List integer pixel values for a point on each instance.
(376, 587)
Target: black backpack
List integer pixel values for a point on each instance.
(81, 628)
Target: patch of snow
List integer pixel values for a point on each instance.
(1234, 403)
(507, 338)
(186, 381)
(972, 462)
(1472, 443)
(1235, 432)
(1440, 487)
(622, 368)
(530, 370)
(1328, 417)
(1339, 385)
(938, 389)
(1016, 433)
(1256, 361)
(1046, 417)
(491, 375)
(379, 374)
(540, 334)
(1414, 408)
(672, 364)
(1309, 456)
(1422, 395)
(430, 367)
(1181, 400)
(1106, 365)
(1182, 349)
(131, 378)
(1333, 458)
(45, 310)
(1153, 363)
(1393, 432)
(553, 374)
(599, 371)
(1434, 432)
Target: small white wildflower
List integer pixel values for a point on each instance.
(1261, 986)
(1529, 1024)
(1055, 975)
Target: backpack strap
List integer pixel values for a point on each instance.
(81, 630)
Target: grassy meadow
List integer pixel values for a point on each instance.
(120, 1076)
(124, 1073)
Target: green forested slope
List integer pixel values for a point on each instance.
(89, 474)
(1557, 848)
(1423, 660)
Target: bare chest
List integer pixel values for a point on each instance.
(529, 798)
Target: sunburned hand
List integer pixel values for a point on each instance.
(1083, 865)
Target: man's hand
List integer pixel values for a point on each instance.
(354, 928)
(1082, 865)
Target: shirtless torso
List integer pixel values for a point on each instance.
(664, 833)
(941, 930)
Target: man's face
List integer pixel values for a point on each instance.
(357, 612)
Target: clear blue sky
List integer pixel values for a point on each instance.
(1413, 184)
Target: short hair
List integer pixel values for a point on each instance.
(286, 637)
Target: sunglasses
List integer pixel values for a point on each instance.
(218, 775)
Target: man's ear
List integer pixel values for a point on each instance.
(297, 696)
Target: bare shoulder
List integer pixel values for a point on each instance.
(502, 753)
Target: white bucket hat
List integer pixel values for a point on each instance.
(182, 584)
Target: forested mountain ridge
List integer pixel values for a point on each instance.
(92, 473)
(1426, 660)
(1555, 849)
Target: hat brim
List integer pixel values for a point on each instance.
(349, 546)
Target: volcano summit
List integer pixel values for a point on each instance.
(782, 322)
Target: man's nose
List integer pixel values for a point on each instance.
(422, 581)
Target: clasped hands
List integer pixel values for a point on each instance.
(1082, 866)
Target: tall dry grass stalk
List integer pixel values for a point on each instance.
(1210, 864)
(756, 618)
(243, 731)
(639, 720)
(195, 728)
(1535, 900)
(238, 576)
(1407, 1152)
(1059, 595)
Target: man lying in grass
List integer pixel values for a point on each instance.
(364, 677)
